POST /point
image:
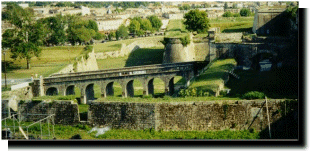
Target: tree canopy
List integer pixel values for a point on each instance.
(122, 32)
(155, 21)
(245, 12)
(134, 26)
(196, 20)
(26, 37)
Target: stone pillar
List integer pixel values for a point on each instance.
(169, 86)
(61, 90)
(41, 87)
(130, 89)
(103, 91)
(148, 87)
(83, 96)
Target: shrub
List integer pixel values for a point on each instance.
(253, 95)
(185, 40)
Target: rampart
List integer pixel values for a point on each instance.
(211, 115)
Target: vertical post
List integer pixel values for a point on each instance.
(41, 130)
(5, 84)
(268, 117)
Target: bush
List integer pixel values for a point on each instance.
(185, 40)
(253, 95)
(99, 36)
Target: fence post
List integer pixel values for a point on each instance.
(268, 117)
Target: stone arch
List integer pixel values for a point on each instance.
(70, 90)
(150, 86)
(52, 91)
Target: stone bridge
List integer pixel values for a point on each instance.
(64, 84)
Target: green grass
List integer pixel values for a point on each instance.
(51, 60)
(67, 131)
(233, 24)
(176, 28)
(117, 45)
(213, 76)
(142, 56)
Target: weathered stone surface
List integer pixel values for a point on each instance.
(212, 115)
(66, 112)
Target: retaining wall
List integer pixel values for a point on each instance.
(211, 115)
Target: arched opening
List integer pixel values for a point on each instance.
(89, 92)
(110, 89)
(150, 87)
(159, 87)
(263, 61)
(171, 86)
(130, 89)
(70, 90)
(179, 82)
(114, 89)
(52, 91)
(138, 88)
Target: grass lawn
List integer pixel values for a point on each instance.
(233, 24)
(67, 131)
(117, 45)
(176, 28)
(51, 60)
(210, 80)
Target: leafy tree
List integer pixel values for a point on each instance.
(77, 30)
(92, 25)
(245, 12)
(99, 36)
(146, 25)
(134, 26)
(236, 15)
(111, 35)
(196, 20)
(25, 39)
(139, 19)
(234, 6)
(122, 32)
(157, 4)
(228, 14)
(225, 5)
(155, 21)
(56, 27)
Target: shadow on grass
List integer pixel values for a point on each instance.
(145, 56)
(237, 30)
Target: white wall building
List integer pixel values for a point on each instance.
(85, 11)
(109, 24)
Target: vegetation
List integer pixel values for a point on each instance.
(25, 39)
(67, 131)
(134, 26)
(184, 7)
(292, 12)
(245, 12)
(210, 80)
(122, 32)
(230, 14)
(233, 24)
(196, 20)
(253, 95)
(155, 21)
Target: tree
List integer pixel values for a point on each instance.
(92, 25)
(56, 27)
(225, 5)
(134, 26)
(228, 14)
(245, 12)
(122, 32)
(157, 4)
(185, 7)
(25, 39)
(111, 35)
(234, 6)
(146, 25)
(155, 21)
(196, 20)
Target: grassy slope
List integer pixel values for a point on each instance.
(175, 28)
(116, 45)
(214, 75)
(233, 24)
(51, 60)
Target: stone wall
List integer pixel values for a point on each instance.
(87, 64)
(24, 93)
(176, 52)
(211, 115)
(66, 112)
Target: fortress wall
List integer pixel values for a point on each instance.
(66, 112)
(211, 115)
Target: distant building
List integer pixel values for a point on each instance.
(270, 22)
(174, 15)
(109, 24)
(24, 5)
(41, 11)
